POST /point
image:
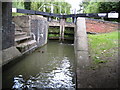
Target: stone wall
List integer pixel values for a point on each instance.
(0, 25)
(39, 27)
(7, 26)
(34, 25)
(0, 45)
(23, 22)
(7, 34)
(100, 26)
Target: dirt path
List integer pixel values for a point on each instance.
(104, 75)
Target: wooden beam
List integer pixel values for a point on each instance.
(97, 15)
(25, 11)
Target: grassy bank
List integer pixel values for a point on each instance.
(103, 48)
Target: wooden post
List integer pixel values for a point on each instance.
(62, 29)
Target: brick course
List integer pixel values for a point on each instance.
(100, 26)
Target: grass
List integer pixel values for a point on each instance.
(103, 46)
(17, 14)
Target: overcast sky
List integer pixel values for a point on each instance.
(74, 3)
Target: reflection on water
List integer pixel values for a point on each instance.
(49, 67)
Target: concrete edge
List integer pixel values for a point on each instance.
(81, 52)
(9, 54)
(15, 56)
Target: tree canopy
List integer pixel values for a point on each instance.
(100, 7)
(59, 7)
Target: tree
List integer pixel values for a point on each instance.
(93, 7)
(106, 7)
(101, 7)
(62, 7)
(17, 4)
(90, 7)
(27, 4)
(109, 6)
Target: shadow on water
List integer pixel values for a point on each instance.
(51, 66)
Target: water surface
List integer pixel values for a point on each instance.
(51, 66)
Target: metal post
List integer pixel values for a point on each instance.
(52, 8)
(60, 9)
(44, 8)
(65, 10)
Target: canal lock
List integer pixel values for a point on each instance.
(62, 76)
(54, 33)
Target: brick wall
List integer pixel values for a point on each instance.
(99, 26)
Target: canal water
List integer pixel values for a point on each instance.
(52, 66)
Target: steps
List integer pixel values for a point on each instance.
(21, 38)
(17, 33)
(17, 28)
(26, 45)
(23, 42)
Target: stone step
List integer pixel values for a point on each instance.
(17, 33)
(26, 45)
(21, 38)
(17, 28)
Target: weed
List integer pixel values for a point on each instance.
(97, 60)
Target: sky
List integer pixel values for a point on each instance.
(74, 3)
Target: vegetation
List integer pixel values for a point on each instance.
(59, 7)
(103, 47)
(27, 4)
(53, 30)
(100, 7)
